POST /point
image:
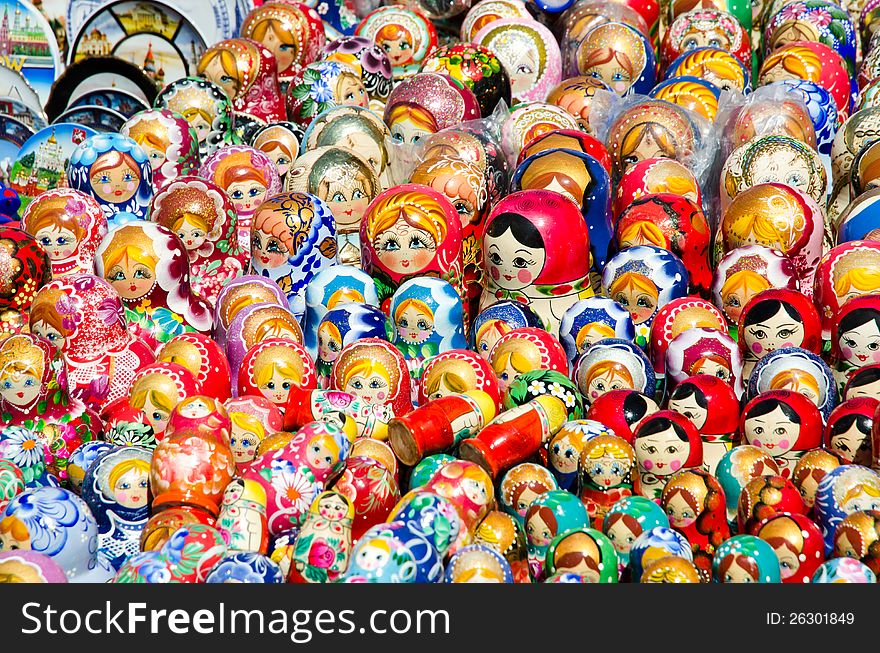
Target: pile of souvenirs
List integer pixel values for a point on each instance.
(440, 292)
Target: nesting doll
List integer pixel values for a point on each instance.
(478, 563)
(206, 107)
(525, 350)
(660, 544)
(454, 372)
(407, 37)
(797, 542)
(605, 472)
(842, 492)
(343, 326)
(171, 143)
(810, 470)
(701, 351)
(737, 468)
(376, 372)
(530, 120)
(496, 320)
(796, 369)
(855, 338)
(714, 65)
(237, 295)
(587, 552)
(622, 411)
(242, 520)
(590, 320)
(553, 513)
(575, 95)
(370, 60)
(321, 86)
(675, 318)
(204, 358)
(27, 268)
(255, 323)
(253, 418)
(331, 288)
(478, 68)
(691, 93)
(650, 176)
(354, 128)
(280, 142)
(478, 17)
(157, 388)
(620, 56)
(565, 449)
(521, 485)
(626, 520)
(856, 537)
(745, 559)
(849, 270)
(613, 364)
(707, 28)
(665, 443)
(426, 103)
(324, 542)
(848, 431)
(272, 367)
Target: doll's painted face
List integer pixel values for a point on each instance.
(347, 203)
(712, 38)
(622, 538)
(405, 249)
(407, 130)
(737, 574)
(773, 432)
(281, 158)
(853, 445)
(319, 454)
(130, 278)
(191, 233)
(372, 388)
(329, 345)
(277, 387)
(489, 335)
(155, 156)
(787, 167)
(414, 326)
(788, 559)
(20, 388)
(641, 304)
(332, 508)
(591, 334)
(246, 195)
(114, 184)
(511, 264)
(47, 331)
(269, 250)
(662, 453)
(8, 541)
(156, 416)
(736, 300)
(203, 127)
(475, 491)
(712, 367)
(862, 497)
(59, 243)
(524, 71)
(194, 409)
(243, 444)
(607, 471)
(367, 148)
(796, 383)
(524, 500)
(564, 455)
(285, 53)
(867, 390)
(539, 533)
(350, 91)
(613, 74)
(647, 147)
(233, 492)
(680, 513)
(774, 333)
(861, 346)
(214, 72)
(690, 409)
(373, 556)
(605, 382)
(399, 50)
(130, 489)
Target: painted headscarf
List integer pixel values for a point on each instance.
(116, 171)
(204, 358)
(283, 357)
(256, 322)
(319, 87)
(70, 210)
(294, 25)
(554, 513)
(436, 300)
(477, 372)
(342, 326)
(696, 346)
(370, 357)
(841, 492)
(386, 25)
(794, 368)
(795, 539)
(280, 141)
(655, 543)
(245, 567)
(24, 269)
(720, 28)
(627, 54)
(584, 547)
(853, 416)
(759, 558)
(638, 515)
(431, 101)
(507, 312)
(171, 143)
(206, 107)
(373, 64)
(330, 288)
(170, 382)
(621, 354)
(676, 317)
(851, 269)
(240, 293)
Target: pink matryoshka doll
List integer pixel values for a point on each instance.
(69, 226)
(157, 388)
(665, 443)
(536, 250)
(674, 319)
(526, 349)
(248, 177)
(408, 231)
(24, 269)
(454, 372)
(703, 27)
(855, 339)
(785, 424)
(376, 372)
(849, 270)
(148, 266)
(253, 418)
(205, 220)
(701, 351)
(203, 415)
(203, 357)
(82, 315)
(274, 366)
(171, 144)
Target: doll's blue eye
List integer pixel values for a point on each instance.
(422, 325)
(29, 383)
(45, 240)
(356, 195)
(105, 179)
(7, 385)
(237, 195)
(403, 322)
(61, 240)
(337, 197)
(142, 484)
(127, 177)
(253, 192)
(357, 385)
(271, 385)
(125, 486)
(157, 417)
(285, 385)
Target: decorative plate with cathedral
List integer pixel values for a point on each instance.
(15, 108)
(116, 99)
(28, 45)
(42, 160)
(150, 35)
(13, 134)
(99, 118)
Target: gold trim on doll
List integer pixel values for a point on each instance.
(270, 322)
(130, 262)
(232, 68)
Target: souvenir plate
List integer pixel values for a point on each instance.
(14, 85)
(27, 45)
(13, 134)
(25, 113)
(116, 99)
(99, 118)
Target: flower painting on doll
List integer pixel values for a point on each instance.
(324, 542)
(242, 520)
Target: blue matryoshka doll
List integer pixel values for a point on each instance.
(430, 515)
(116, 489)
(80, 461)
(342, 326)
(245, 567)
(745, 559)
(57, 523)
(654, 544)
(553, 513)
(643, 279)
(494, 321)
(393, 553)
(841, 492)
(590, 320)
(116, 171)
(328, 289)
(821, 108)
(293, 239)
(794, 368)
(627, 519)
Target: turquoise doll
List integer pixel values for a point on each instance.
(206, 108)
(654, 544)
(330, 288)
(586, 552)
(116, 171)
(627, 520)
(494, 321)
(745, 559)
(428, 320)
(426, 468)
(739, 466)
(342, 326)
(116, 489)
(552, 514)
(590, 320)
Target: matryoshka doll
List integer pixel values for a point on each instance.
(148, 266)
(848, 431)
(842, 492)
(626, 520)
(554, 513)
(810, 470)
(478, 563)
(272, 367)
(321, 86)
(496, 320)
(248, 177)
(69, 226)
(796, 369)
(408, 231)
(407, 37)
(116, 171)
(82, 315)
(702, 351)
(675, 318)
(856, 537)
(650, 176)
(294, 238)
(247, 72)
(863, 382)
(483, 13)
(256, 322)
(204, 358)
(586, 552)
(116, 489)
(253, 418)
(621, 411)
(201, 414)
(331, 288)
(279, 141)
(694, 502)
(454, 372)
(745, 559)
(207, 109)
(565, 448)
(370, 60)
(849, 270)
(26, 268)
(469, 488)
(376, 372)
(528, 122)
(605, 472)
(157, 388)
(797, 542)
(354, 128)
(613, 364)
(656, 544)
(590, 320)
(707, 28)
(665, 443)
(642, 280)
(739, 466)
(242, 520)
(783, 423)
(855, 338)
(521, 485)
(205, 220)
(171, 143)
(575, 95)
(620, 56)
(715, 66)
(237, 295)
(712, 405)
(525, 350)
(323, 545)
(343, 326)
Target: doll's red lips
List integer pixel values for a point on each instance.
(508, 276)
(661, 465)
(607, 481)
(20, 394)
(862, 357)
(405, 264)
(264, 259)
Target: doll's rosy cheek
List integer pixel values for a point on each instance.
(495, 273)
(675, 465)
(757, 347)
(648, 464)
(847, 352)
(524, 276)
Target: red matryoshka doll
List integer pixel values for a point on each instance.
(675, 318)
(744, 272)
(694, 502)
(783, 423)
(712, 406)
(864, 382)
(455, 372)
(525, 350)
(765, 496)
(798, 544)
(371, 488)
(567, 139)
(810, 470)
(575, 95)
(408, 231)
(665, 443)
(376, 372)
(149, 267)
(672, 222)
(775, 319)
(201, 414)
(237, 295)
(848, 431)
(849, 270)
(536, 251)
(253, 418)
(605, 474)
(82, 315)
(619, 55)
(407, 37)
(205, 220)
(705, 352)
(69, 226)
(248, 72)
(204, 358)
(521, 485)
(855, 338)
(157, 388)
(707, 28)
(321, 86)
(272, 367)
(24, 269)
(857, 537)
(171, 144)
(621, 411)
(248, 177)
(468, 487)
(651, 176)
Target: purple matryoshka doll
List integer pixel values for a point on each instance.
(369, 60)
(330, 288)
(294, 238)
(590, 320)
(116, 171)
(255, 323)
(82, 315)
(171, 144)
(148, 265)
(237, 295)
(248, 177)
(205, 220)
(619, 55)
(24, 269)
(342, 326)
(704, 351)
(69, 226)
